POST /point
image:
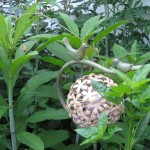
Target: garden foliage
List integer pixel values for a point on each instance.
(32, 53)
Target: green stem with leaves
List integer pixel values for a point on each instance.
(77, 138)
(11, 114)
(94, 146)
(106, 15)
(128, 145)
(37, 32)
(11, 6)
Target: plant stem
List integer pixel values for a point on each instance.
(94, 146)
(77, 138)
(106, 15)
(37, 32)
(11, 114)
(128, 145)
(11, 6)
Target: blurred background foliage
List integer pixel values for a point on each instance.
(135, 11)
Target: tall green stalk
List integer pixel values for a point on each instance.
(11, 107)
(37, 32)
(11, 114)
(94, 146)
(77, 138)
(106, 15)
(11, 6)
(128, 145)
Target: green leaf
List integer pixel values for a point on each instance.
(8, 21)
(107, 31)
(116, 138)
(24, 22)
(72, 147)
(123, 76)
(10, 28)
(102, 123)
(139, 146)
(100, 87)
(24, 48)
(137, 3)
(49, 41)
(115, 99)
(35, 81)
(52, 137)
(141, 73)
(87, 132)
(53, 2)
(113, 93)
(59, 146)
(144, 58)
(123, 126)
(142, 126)
(2, 101)
(54, 61)
(3, 55)
(46, 91)
(43, 36)
(48, 114)
(122, 88)
(3, 109)
(24, 101)
(104, 91)
(139, 83)
(136, 103)
(145, 109)
(89, 26)
(59, 51)
(70, 24)
(94, 133)
(134, 50)
(20, 122)
(67, 86)
(3, 33)
(31, 140)
(3, 68)
(75, 41)
(19, 63)
(91, 139)
(119, 51)
(111, 130)
(145, 94)
(2, 145)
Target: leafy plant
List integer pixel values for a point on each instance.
(131, 90)
(11, 67)
(92, 134)
(13, 57)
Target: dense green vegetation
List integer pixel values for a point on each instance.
(32, 52)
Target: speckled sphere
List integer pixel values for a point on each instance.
(85, 104)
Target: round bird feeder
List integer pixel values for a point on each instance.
(85, 104)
